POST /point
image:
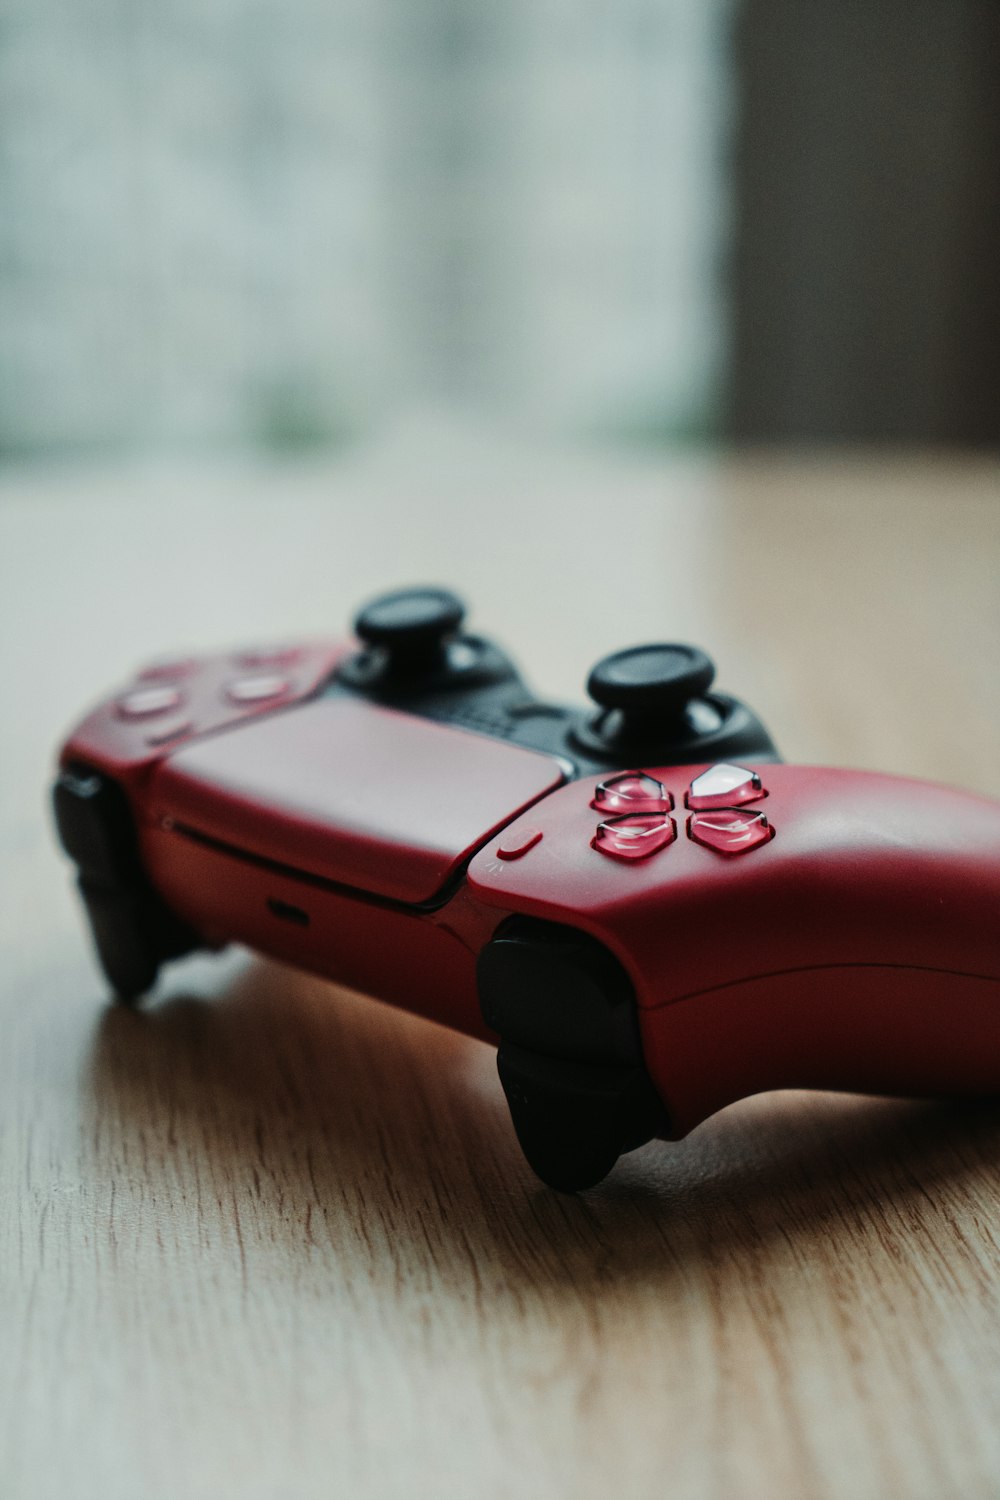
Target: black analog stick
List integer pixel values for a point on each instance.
(651, 681)
(411, 625)
(647, 686)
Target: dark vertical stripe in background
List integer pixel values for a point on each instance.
(866, 265)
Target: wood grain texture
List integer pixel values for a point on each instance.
(268, 1239)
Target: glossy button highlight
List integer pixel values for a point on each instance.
(724, 786)
(730, 830)
(632, 792)
(143, 703)
(257, 689)
(257, 657)
(634, 836)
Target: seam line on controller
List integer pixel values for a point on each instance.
(732, 984)
(320, 882)
(441, 897)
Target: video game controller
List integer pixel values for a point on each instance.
(646, 911)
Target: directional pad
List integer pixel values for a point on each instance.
(724, 786)
(730, 830)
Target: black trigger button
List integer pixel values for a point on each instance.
(573, 1120)
(133, 930)
(121, 922)
(94, 827)
(557, 991)
(570, 1057)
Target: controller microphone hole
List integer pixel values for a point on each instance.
(288, 913)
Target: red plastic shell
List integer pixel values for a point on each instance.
(125, 748)
(858, 949)
(419, 961)
(382, 801)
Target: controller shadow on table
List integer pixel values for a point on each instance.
(322, 1111)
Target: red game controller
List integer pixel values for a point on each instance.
(646, 911)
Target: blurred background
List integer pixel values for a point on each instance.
(297, 224)
(630, 320)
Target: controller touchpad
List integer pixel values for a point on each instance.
(379, 800)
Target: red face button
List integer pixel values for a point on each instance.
(257, 689)
(635, 836)
(724, 786)
(513, 845)
(259, 657)
(730, 830)
(632, 792)
(143, 703)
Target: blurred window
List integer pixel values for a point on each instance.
(288, 221)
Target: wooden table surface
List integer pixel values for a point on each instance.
(270, 1239)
